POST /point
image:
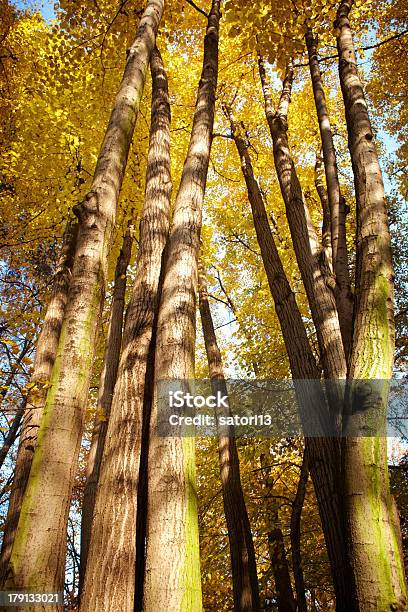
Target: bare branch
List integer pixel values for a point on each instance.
(197, 8)
(328, 58)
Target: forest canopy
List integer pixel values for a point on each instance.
(203, 189)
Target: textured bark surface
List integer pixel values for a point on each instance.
(372, 531)
(243, 564)
(295, 536)
(323, 453)
(38, 555)
(301, 359)
(336, 201)
(46, 351)
(105, 396)
(110, 580)
(172, 580)
(320, 296)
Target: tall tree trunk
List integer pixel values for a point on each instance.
(295, 535)
(243, 564)
(142, 490)
(110, 581)
(38, 555)
(280, 569)
(323, 453)
(322, 193)
(371, 527)
(277, 551)
(172, 557)
(302, 361)
(46, 350)
(106, 388)
(320, 296)
(337, 203)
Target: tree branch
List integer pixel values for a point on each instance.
(197, 8)
(328, 58)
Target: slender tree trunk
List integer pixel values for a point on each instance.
(302, 361)
(371, 527)
(337, 203)
(320, 296)
(110, 580)
(280, 568)
(277, 551)
(172, 557)
(106, 388)
(38, 555)
(323, 453)
(12, 432)
(46, 350)
(142, 491)
(322, 193)
(243, 564)
(295, 535)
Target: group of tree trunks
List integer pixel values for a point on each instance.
(139, 541)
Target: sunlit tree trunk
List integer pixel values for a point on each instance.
(243, 564)
(299, 352)
(172, 579)
(323, 453)
(336, 201)
(320, 296)
(106, 388)
(373, 532)
(38, 555)
(110, 578)
(46, 350)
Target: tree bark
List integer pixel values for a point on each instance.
(295, 536)
(105, 396)
(371, 527)
(323, 453)
(46, 350)
(301, 359)
(172, 558)
(38, 555)
(320, 296)
(110, 581)
(337, 203)
(243, 564)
